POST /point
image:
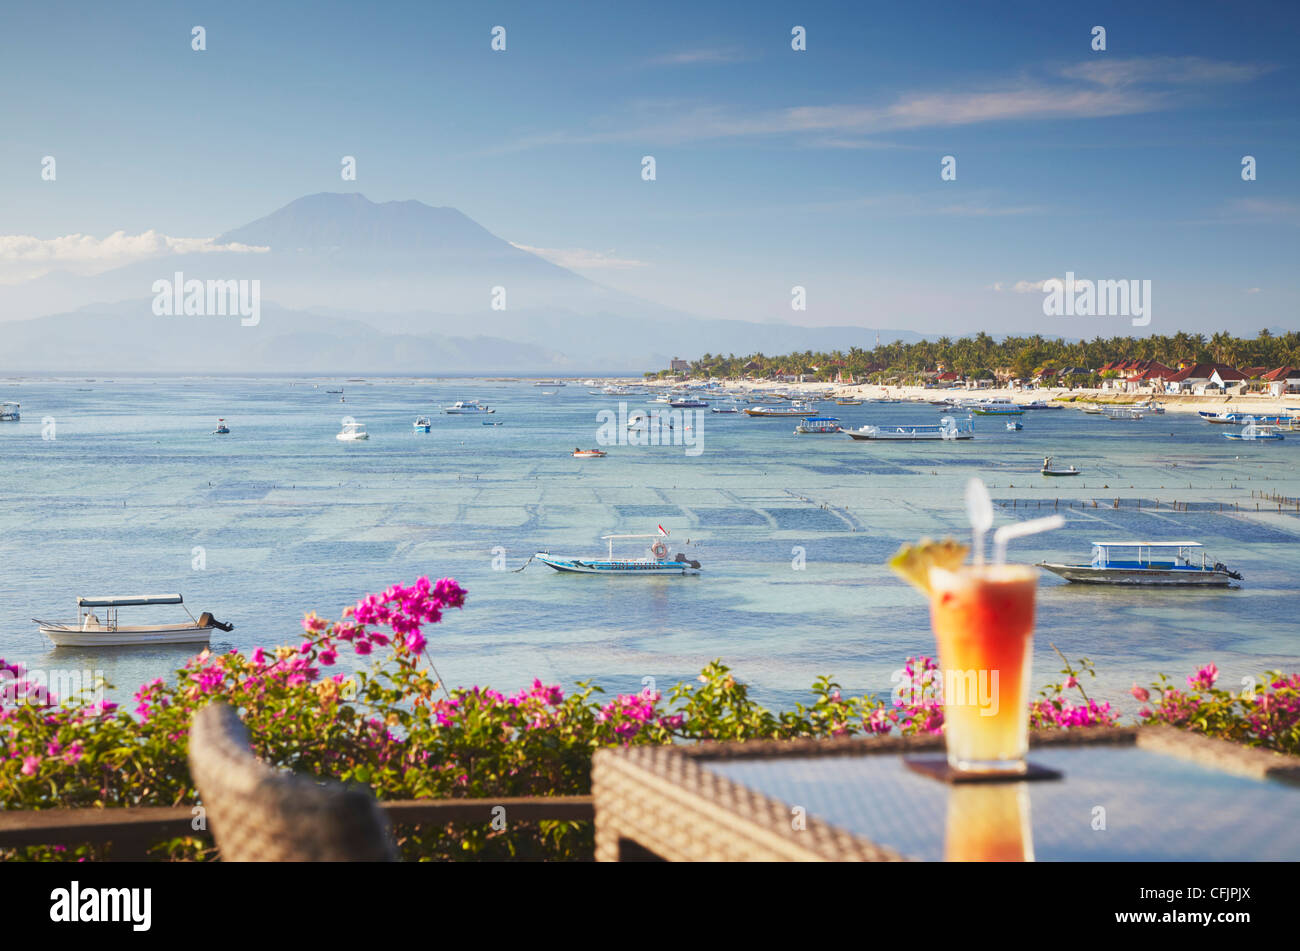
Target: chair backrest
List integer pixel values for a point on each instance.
(258, 814)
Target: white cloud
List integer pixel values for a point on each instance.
(1252, 290)
(1163, 70)
(581, 259)
(1113, 87)
(27, 257)
(1026, 286)
(1264, 209)
(691, 57)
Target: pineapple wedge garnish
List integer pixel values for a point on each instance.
(913, 562)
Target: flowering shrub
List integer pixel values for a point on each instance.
(395, 728)
(1267, 716)
(1053, 709)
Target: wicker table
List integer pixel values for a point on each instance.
(1153, 793)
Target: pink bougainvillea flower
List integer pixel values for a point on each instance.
(1140, 694)
(1204, 678)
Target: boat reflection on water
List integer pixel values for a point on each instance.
(988, 822)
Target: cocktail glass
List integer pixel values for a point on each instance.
(983, 621)
(988, 822)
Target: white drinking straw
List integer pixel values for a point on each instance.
(980, 509)
(1020, 530)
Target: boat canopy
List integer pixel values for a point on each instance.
(132, 601)
(1147, 545)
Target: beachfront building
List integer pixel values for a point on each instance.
(1204, 378)
(679, 366)
(1073, 376)
(1149, 378)
(1135, 376)
(1281, 381)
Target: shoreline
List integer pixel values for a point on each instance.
(1075, 398)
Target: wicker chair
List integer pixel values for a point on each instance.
(259, 814)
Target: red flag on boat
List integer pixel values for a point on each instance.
(663, 531)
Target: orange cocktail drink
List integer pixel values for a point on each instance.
(983, 621)
(988, 822)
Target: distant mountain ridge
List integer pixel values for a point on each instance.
(329, 222)
(406, 285)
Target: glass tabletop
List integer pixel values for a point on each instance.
(1115, 803)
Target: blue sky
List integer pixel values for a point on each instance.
(774, 167)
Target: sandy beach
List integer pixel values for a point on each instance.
(1260, 405)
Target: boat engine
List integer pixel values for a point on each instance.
(1220, 566)
(207, 620)
(682, 559)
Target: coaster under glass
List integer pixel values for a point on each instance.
(938, 767)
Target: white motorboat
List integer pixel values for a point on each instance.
(353, 432)
(467, 406)
(89, 631)
(1154, 564)
(993, 407)
(947, 429)
(1123, 412)
(550, 383)
(777, 412)
(422, 424)
(9, 413)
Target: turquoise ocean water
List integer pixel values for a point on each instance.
(289, 519)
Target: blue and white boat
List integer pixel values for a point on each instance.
(422, 424)
(9, 412)
(1152, 564)
(1225, 417)
(1253, 430)
(818, 424)
(658, 562)
(1014, 426)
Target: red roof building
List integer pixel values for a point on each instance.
(1149, 371)
(1201, 374)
